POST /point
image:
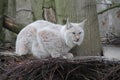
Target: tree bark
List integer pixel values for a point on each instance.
(77, 10)
(49, 11)
(44, 9)
(1, 21)
(37, 6)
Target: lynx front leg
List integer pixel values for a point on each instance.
(21, 49)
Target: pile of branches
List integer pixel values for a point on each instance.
(89, 68)
(111, 39)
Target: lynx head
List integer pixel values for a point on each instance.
(74, 33)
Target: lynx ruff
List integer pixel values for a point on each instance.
(44, 39)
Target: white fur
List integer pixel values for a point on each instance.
(43, 39)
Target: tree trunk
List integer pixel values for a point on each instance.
(37, 6)
(77, 10)
(1, 21)
(44, 9)
(24, 13)
(11, 11)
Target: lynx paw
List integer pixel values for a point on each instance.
(55, 55)
(68, 56)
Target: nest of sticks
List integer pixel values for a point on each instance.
(87, 68)
(111, 39)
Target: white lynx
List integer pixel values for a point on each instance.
(43, 39)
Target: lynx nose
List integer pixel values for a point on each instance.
(77, 40)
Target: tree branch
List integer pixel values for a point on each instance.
(112, 7)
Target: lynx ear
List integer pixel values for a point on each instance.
(68, 24)
(82, 23)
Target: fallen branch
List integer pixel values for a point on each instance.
(11, 25)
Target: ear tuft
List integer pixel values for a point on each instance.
(67, 21)
(84, 20)
(68, 24)
(82, 23)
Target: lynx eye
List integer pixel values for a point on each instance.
(73, 32)
(79, 32)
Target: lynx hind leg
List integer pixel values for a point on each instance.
(50, 41)
(38, 51)
(21, 49)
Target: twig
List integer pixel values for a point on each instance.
(71, 72)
